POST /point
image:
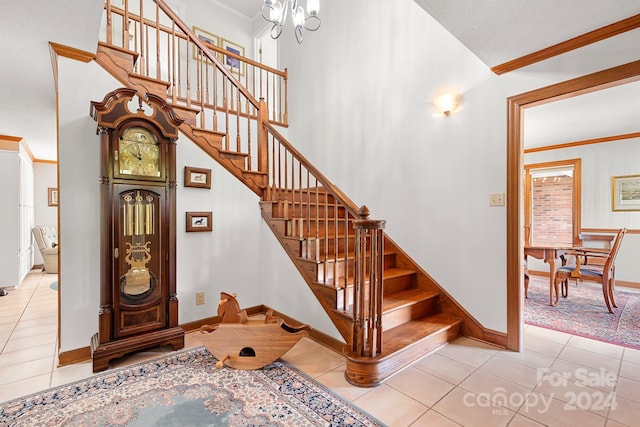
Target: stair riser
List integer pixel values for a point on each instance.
(400, 283)
(238, 160)
(212, 140)
(153, 86)
(328, 270)
(289, 210)
(335, 298)
(302, 228)
(187, 114)
(311, 248)
(302, 196)
(121, 58)
(260, 180)
(405, 314)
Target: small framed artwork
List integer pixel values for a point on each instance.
(207, 38)
(625, 192)
(234, 64)
(53, 196)
(197, 177)
(199, 221)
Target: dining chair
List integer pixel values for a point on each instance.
(603, 273)
(602, 241)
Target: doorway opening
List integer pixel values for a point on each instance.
(516, 107)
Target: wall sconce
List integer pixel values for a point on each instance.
(448, 103)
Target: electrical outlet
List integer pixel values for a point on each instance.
(496, 199)
(199, 298)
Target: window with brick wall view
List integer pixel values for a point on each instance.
(551, 211)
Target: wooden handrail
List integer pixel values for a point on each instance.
(139, 30)
(180, 23)
(333, 189)
(244, 59)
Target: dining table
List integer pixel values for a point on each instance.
(550, 253)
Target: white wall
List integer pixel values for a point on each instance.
(45, 176)
(600, 162)
(10, 194)
(360, 92)
(220, 20)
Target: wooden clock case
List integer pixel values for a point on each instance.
(138, 301)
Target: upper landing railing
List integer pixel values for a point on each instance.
(198, 72)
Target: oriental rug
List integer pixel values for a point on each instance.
(185, 389)
(584, 312)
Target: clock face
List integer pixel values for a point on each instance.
(139, 153)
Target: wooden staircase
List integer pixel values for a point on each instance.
(413, 320)
(389, 311)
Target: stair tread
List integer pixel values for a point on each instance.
(405, 298)
(207, 131)
(406, 334)
(390, 273)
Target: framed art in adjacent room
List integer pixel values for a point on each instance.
(197, 177)
(625, 192)
(199, 221)
(53, 196)
(232, 63)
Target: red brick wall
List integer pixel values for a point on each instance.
(551, 212)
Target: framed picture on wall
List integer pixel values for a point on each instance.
(53, 196)
(625, 191)
(207, 38)
(199, 221)
(233, 63)
(197, 177)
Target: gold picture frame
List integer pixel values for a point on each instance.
(625, 193)
(235, 65)
(197, 177)
(52, 196)
(199, 221)
(205, 37)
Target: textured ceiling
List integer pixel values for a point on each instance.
(494, 30)
(497, 31)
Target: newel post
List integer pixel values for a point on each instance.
(263, 139)
(368, 286)
(263, 152)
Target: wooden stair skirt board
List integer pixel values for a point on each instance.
(402, 346)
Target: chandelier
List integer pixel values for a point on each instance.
(276, 11)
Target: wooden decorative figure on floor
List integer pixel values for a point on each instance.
(242, 343)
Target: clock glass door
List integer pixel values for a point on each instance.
(139, 264)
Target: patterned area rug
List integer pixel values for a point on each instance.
(584, 312)
(185, 389)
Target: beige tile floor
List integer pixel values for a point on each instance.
(557, 380)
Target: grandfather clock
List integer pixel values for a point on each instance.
(138, 302)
